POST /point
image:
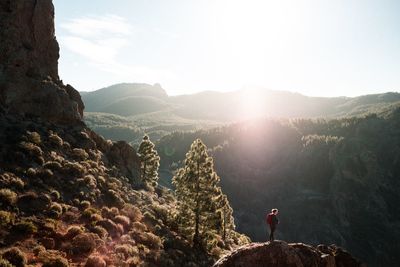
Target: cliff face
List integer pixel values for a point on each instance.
(279, 253)
(29, 81)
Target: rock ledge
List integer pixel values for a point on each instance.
(280, 253)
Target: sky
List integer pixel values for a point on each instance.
(313, 47)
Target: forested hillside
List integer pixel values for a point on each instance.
(334, 181)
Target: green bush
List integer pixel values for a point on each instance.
(15, 256)
(123, 220)
(56, 262)
(33, 203)
(80, 154)
(73, 231)
(55, 195)
(132, 212)
(55, 140)
(100, 231)
(95, 261)
(87, 213)
(8, 198)
(6, 218)
(55, 210)
(83, 243)
(74, 169)
(5, 263)
(31, 148)
(34, 137)
(53, 165)
(85, 204)
(38, 249)
(25, 228)
(113, 198)
(127, 250)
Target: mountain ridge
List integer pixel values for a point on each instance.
(221, 106)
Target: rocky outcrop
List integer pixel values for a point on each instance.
(29, 81)
(280, 253)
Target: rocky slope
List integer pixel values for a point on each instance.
(67, 196)
(279, 253)
(29, 81)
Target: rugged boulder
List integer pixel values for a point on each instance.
(29, 52)
(280, 253)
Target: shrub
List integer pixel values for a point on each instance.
(55, 210)
(24, 228)
(80, 154)
(139, 227)
(55, 140)
(100, 231)
(112, 198)
(6, 218)
(32, 203)
(5, 263)
(74, 168)
(95, 261)
(112, 228)
(17, 183)
(95, 218)
(53, 165)
(132, 212)
(109, 213)
(53, 258)
(161, 211)
(84, 243)
(15, 256)
(48, 242)
(34, 137)
(90, 181)
(31, 148)
(85, 204)
(38, 249)
(150, 240)
(56, 262)
(8, 198)
(87, 213)
(44, 173)
(127, 250)
(123, 220)
(31, 172)
(73, 231)
(55, 195)
(133, 261)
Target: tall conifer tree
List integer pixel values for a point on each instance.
(199, 195)
(149, 162)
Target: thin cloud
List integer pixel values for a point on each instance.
(98, 26)
(100, 39)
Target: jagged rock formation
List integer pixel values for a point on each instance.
(280, 253)
(29, 81)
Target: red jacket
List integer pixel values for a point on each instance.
(271, 219)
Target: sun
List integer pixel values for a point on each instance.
(252, 104)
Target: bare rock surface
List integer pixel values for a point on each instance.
(29, 52)
(280, 253)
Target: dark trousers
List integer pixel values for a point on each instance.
(271, 232)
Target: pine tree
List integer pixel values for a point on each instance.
(149, 162)
(226, 217)
(200, 198)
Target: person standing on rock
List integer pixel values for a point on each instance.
(272, 221)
